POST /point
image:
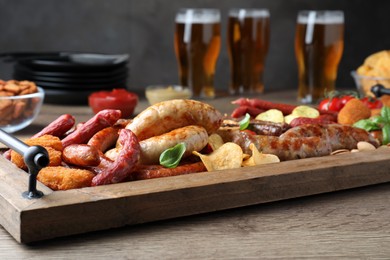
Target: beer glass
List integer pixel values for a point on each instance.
(319, 43)
(248, 41)
(197, 45)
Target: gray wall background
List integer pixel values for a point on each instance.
(144, 29)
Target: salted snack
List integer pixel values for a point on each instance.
(20, 103)
(51, 143)
(17, 88)
(353, 111)
(376, 65)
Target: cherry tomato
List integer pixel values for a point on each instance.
(334, 104)
(372, 103)
(120, 99)
(344, 100)
(330, 104)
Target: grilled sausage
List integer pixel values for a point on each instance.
(144, 172)
(194, 137)
(340, 136)
(302, 142)
(81, 155)
(168, 115)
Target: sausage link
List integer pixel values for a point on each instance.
(303, 141)
(144, 172)
(104, 139)
(194, 137)
(81, 155)
(101, 120)
(125, 163)
(168, 115)
(340, 136)
(58, 127)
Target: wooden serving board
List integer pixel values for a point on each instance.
(62, 213)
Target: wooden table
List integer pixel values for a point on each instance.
(352, 223)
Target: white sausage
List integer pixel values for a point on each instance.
(168, 115)
(194, 137)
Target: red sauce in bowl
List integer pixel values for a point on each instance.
(120, 99)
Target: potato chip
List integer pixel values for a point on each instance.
(258, 158)
(228, 156)
(289, 118)
(271, 115)
(305, 111)
(215, 141)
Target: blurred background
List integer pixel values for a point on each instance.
(144, 30)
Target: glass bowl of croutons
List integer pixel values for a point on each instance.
(20, 104)
(365, 83)
(374, 70)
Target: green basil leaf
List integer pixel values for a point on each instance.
(171, 157)
(385, 113)
(367, 125)
(244, 123)
(378, 120)
(386, 134)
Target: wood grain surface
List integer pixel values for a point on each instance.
(350, 224)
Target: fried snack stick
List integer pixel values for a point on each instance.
(63, 178)
(51, 143)
(82, 134)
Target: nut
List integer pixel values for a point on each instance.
(365, 146)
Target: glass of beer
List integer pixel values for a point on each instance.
(197, 46)
(248, 42)
(319, 43)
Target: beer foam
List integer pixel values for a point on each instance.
(321, 18)
(249, 13)
(194, 16)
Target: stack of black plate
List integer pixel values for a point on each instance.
(69, 78)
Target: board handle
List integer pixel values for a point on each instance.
(379, 90)
(35, 157)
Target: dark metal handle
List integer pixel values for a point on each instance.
(36, 157)
(379, 90)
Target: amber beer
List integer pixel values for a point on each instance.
(197, 46)
(248, 42)
(319, 43)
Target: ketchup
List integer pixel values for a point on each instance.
(120, 99)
